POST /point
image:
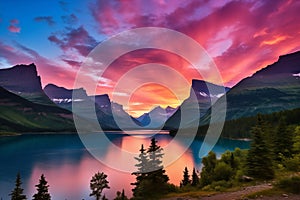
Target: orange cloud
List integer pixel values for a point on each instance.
(150, 96)
(275, 40)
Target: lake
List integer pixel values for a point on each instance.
(68, 166)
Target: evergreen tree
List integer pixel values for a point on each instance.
(143, 168)
(155, 156)
(143, 162)
(17, 193)
(296, 140)
(104, 198)
(98, 184)
(42, 190)
(157, 173)
(186, 178)
(153, 183)
(259, 159)
(121, 196)
(195, 178)
(283, 143)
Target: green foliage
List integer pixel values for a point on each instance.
(98, 184)
(283, 142)
(151, 180)
(218, 186)
(17, 193)
(296, 140)
(209, 164)
(186, 178)
(195, 178)
(42, 190)
(259, 162)
(291, 184)
(243, 130)
(222, 171)
(293, 164)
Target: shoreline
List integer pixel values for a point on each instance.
(8, 134)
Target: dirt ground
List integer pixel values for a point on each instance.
(240, 195)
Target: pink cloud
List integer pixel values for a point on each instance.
(242, 36)
(13, 26)
(50, 71)
(14, 29)
(75, 39)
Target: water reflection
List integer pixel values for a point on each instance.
(68, 166)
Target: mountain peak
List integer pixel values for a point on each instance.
(56, 92)
(21, 79)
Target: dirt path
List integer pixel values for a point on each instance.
(228, 195)
(238, 194)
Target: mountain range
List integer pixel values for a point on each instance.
(26, 107)
(271, 89)
(157, 117)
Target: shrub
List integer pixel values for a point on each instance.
(222, 171)
(291, 184)
(293, 164)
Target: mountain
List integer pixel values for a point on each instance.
(271, 89)
(202, 95)
(24, 81)
(156, 117)
(62, 96)
(20, 115)
(111, 116)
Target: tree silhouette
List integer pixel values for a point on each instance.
(17, 193)
(121, 196)
(195, 178)
(186, 178)
(153, 182)
(98, 184)
(42, 190)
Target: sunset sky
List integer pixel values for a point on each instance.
(240, 36)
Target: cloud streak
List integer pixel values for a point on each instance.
(48, 19)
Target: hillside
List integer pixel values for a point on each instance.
(20, 115)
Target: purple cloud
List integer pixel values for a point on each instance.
(48, 19)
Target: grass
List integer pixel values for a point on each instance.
(193, 194)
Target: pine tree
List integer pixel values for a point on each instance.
(186, 178)
(143, 162)
(195, 178)
(104, 198)
(121, 196)
(17, 193)
(157, 173)
(42, 190)
(153, 183)
(259, 162)
(143, 168)
(98, 184)
(283, 143)
(155, 156)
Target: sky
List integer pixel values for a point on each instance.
(240, 36)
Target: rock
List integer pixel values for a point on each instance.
(247, 178)
(285, 195)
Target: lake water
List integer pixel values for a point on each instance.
(68, 166)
